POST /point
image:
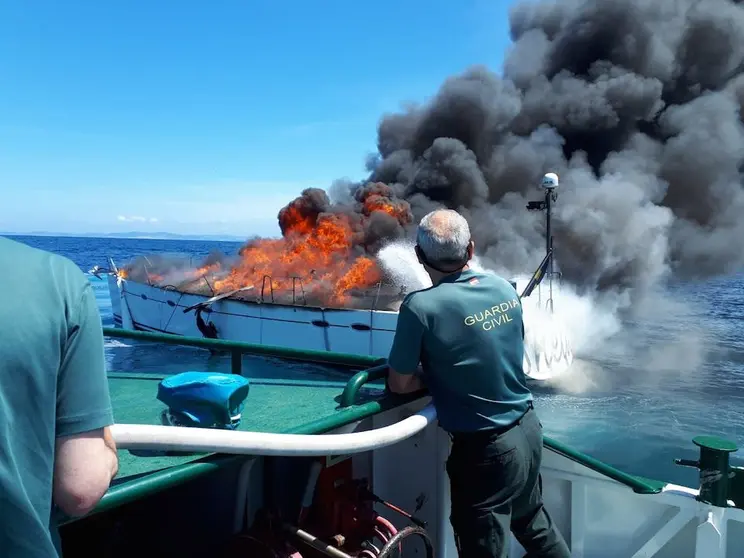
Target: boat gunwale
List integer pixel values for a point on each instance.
(314, 307)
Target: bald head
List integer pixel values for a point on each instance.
(443, 236)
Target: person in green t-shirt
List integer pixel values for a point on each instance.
(56, 450)
(463, 338)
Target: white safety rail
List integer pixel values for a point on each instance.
(176, 438)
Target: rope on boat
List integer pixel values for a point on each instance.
(175, 307)
(410, 531)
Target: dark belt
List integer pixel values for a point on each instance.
(490, 432)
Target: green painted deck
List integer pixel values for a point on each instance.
(271, 406)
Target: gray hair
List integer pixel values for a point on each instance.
(443, 235)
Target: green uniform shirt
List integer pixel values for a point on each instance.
(467, 332)
(52, 383)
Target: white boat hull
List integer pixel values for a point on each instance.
(364, 332)
(150, 308)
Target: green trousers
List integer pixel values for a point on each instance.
(496, 489)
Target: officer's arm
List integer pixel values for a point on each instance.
(405, 353)
(85, 458)
(404, 383)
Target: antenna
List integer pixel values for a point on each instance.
(549, 183)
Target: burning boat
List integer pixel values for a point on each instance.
(319, 287)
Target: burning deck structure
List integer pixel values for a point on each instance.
(324, 258)
(312, 289)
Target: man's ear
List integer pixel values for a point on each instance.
(471, 250)
(418, 254)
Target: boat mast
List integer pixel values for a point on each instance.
(550, 185)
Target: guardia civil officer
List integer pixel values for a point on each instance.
(467, 334)
(56, 449)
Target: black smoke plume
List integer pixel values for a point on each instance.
(636, 104)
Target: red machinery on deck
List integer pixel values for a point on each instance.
(337, 519)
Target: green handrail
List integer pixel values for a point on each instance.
(641, 486)
(238, 348)
(355, 383)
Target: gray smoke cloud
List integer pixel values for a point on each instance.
(636, 104)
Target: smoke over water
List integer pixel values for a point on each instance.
(635, 104)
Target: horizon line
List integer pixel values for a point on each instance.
(137, 235)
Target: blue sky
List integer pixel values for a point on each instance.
(207, 117)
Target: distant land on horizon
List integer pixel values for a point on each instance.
(137, 235)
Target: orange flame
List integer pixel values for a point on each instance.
(322, 249)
